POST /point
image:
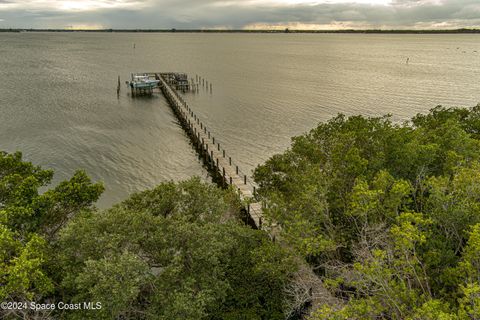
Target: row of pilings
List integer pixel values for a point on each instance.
(214, 156)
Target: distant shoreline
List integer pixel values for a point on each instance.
(370, 31)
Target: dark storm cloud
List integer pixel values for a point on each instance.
(238, 14)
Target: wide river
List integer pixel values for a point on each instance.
(59, 105)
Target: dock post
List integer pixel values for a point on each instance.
(245, 179)
(236, 169)
(254, 191)
(224, 178)
(217, 162)
(219, 146)
(118, 86)
(213, 140)
(230, 160)
(231, 180)
(224, 153)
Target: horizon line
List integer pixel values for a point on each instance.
(286, 30)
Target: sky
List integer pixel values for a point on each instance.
(240, 14)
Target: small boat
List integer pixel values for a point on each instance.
(143, 82)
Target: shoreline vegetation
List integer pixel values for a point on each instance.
(386, 214)
(173, 30)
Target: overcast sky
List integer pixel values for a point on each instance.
(240, 14)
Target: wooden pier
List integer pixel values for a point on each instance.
(221, 162)
(210, 148)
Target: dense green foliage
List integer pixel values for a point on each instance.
(388, 213)
(29, 221)
(175, 252)
(388, 216)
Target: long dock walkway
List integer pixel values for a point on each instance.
(213, 152)
(308, 285)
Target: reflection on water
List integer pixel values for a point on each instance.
(59, 103)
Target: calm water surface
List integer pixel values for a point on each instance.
(58, 101)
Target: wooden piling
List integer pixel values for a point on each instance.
(118, 86)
